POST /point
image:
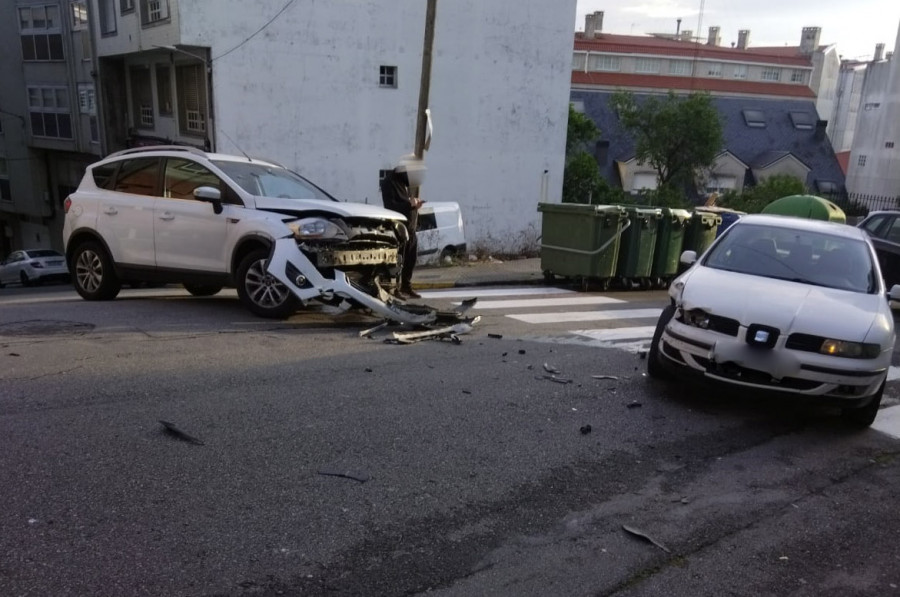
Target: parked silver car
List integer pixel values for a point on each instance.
(33, 266)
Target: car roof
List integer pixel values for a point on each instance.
(805, 224)
(182, 150)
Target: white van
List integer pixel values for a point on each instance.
(440, 232)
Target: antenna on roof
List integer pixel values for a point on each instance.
(233, 142)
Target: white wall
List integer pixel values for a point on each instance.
(304, 91)
(877, 126)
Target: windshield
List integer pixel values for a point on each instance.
(806, 257)
(271, 181)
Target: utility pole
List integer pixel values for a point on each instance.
(424, 85)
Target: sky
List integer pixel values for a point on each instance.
(854, 26)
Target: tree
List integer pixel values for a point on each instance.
(755, 198)
(581, 177)
(679, 137)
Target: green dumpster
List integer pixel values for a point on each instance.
(638, 243)
(806, 206)
(701, 231)
(580, 240)
(669, 242)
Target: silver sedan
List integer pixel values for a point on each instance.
(33, 266)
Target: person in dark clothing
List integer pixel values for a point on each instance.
(396, 197)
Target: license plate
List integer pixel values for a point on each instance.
(54, 263)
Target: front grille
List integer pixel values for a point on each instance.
(724, 325)
(804, 342)
(754, 376)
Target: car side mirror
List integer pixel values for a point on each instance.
(688, 257)
(211, 195)
(894, 293)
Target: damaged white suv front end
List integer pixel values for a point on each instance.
(172, 214)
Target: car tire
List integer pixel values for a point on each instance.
(655, 368)
(861, 418)
(94, 276)
(24, 279)
(260, 292)
(202, 289)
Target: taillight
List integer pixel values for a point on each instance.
(36, 264)
(67, 204)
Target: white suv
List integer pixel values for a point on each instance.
(177, 214)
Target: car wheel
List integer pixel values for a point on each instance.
(95, 278)
(861, 418)
(202, 289)
(260, 292)
(655, 368)
(23, 277)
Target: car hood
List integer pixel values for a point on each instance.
(339, 208)
(789, 306)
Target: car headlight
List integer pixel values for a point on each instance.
(317, 229)
(694, 317)
(852, 350)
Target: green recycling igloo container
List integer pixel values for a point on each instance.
(701, 231)
(580, 240)
(669, 243)
(638, 244)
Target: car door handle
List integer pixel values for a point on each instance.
(166, 215)
(110, 211)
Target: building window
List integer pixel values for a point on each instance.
(862, 160)
(872, 106)
(680, 67)
(798, 76)
(603, 62)
(191, 99)
(720, 184)
(4, 181)
(164, 90)
(41, 35)
(802, 121)
(740, 71)
(107, 11)
(888, 144)
(647, 65)
(48, 109)
(387, 76)
(154, 11)
(754, 118)
(79, 15)
(714, 69)
(142, 97)
(771, 74)
(126, 6)
(579, 61)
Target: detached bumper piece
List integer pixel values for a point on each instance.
(307, 283)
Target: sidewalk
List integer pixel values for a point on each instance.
(479, 273)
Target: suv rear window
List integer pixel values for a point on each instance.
(103, 173)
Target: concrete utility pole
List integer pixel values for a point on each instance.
(425, 85)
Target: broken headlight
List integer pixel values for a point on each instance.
(697, 318)
(317, 229)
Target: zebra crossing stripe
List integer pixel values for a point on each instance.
(572, 316)
(888, 421)
(547, 302)
(487, 292)
(644, 332)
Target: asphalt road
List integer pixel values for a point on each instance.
(466, 471)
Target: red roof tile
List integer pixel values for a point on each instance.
(632, 81)
(638, 44)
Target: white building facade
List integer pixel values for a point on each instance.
(330, 89)
(873, 175)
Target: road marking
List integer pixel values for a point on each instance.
(546, 302)
(888, 421)
(893, 373)
(478, 293)
(571, 316)
(644, 332)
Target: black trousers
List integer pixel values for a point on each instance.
(410, 251)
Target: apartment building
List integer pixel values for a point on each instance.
(330, 89)
(873, 175)
(49, 128)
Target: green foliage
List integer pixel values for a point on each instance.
(581, 178)
(679, 137)
(580, 131)
(755, 198)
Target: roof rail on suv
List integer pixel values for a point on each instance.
(186, 148)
